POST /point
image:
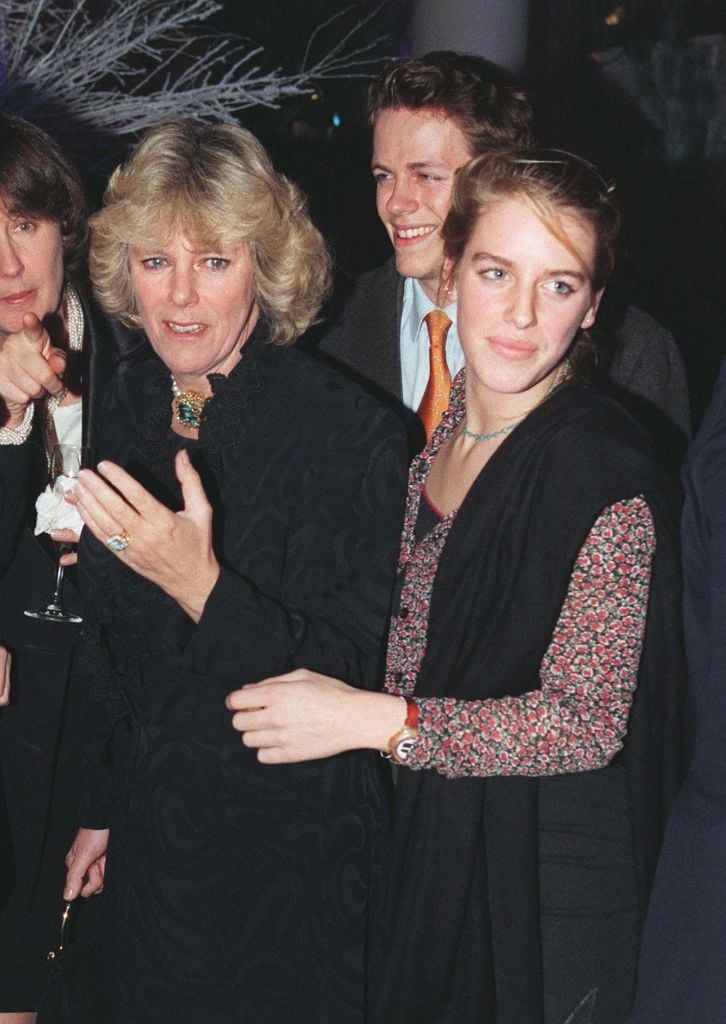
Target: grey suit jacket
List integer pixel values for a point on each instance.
(644, 365)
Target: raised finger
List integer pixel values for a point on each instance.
(144, 503)
(97, 492)
(95, 516)
(46, 379)
(29, 356)
(110, 509)
(95, 498)
(22, 384)
(58, 362)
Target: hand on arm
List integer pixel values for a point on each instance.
(302, 716)
(86, 859)
(29, 368)
(577, 719)
(171, 549)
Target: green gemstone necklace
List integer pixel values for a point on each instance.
(187, 405)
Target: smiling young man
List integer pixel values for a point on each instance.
(430, 116)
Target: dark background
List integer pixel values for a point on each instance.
(673, 261)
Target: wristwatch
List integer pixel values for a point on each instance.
(401, 743)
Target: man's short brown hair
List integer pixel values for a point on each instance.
(484, 100)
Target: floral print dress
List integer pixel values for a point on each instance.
(577, 719)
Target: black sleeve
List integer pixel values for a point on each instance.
(647, 364)
(17, 477)
(102, 730)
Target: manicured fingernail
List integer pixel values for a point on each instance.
(68, 893)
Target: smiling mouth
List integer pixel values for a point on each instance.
(185, 328)
(421, 232)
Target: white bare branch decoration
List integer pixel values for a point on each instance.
(144, 60)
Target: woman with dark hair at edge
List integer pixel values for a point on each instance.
(534, 669)
(57, 355)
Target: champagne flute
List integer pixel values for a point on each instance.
(65, 462)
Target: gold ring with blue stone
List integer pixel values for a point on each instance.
(118, 541)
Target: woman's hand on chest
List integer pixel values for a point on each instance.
(170, 549)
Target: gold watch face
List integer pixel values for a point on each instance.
(404, 744)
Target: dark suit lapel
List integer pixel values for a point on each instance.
(391, 330)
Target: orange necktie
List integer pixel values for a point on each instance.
(435, 399)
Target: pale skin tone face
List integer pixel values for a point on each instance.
(197, 305)
(31, 269)
(416, 154)
(31, 287)
(522, 295)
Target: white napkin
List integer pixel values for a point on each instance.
(54, 512)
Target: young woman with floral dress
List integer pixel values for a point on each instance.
(534, 667)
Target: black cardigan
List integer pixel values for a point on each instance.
(501, 582)
(265, 869)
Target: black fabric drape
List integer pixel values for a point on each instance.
(239, 890)
(464, 906)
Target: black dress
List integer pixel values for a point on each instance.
(38, 731)
(503, 892)
(239, 891)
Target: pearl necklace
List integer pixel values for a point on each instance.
(74, 327)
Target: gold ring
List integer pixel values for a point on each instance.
(118, 541)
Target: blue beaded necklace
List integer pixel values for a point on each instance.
(561, 377)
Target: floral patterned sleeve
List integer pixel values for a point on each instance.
(578, 719)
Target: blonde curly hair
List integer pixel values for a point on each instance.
(215, 184)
